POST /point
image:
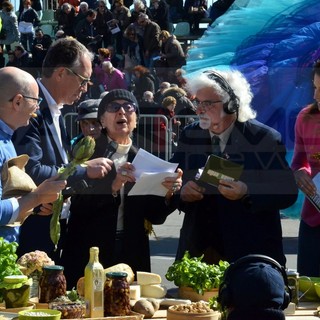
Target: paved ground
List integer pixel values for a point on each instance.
(164, 248)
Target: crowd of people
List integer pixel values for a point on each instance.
(138, 36)
(110, 78)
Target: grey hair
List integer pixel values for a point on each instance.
(238, 84)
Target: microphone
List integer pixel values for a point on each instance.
(76, 188)
(111, 149)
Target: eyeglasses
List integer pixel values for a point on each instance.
(84, 81)
(39, 100)
(115, 107)
(206, 105)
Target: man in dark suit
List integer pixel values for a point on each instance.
(65, 76)
(237, 217)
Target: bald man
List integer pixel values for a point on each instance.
(19, 101)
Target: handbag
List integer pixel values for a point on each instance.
(3, 34)
(15, 181)
(129, 62)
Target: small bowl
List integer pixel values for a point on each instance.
(37, 314)
(179, 315)
(72, 310)
(307, 287)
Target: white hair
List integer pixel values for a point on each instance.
(237, 83)
(84, 4)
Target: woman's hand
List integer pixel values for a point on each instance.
(125, 174)
(304, 182)
(45, 209)
(173, 184)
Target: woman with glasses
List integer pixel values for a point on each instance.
(106, 216)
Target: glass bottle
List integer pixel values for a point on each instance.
(52, 283)
(94, 284)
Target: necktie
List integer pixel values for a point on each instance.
(215, 141)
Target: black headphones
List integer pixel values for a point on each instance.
(232, 105)
(225, 297)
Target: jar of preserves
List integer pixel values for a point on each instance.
(52, 283)
(107, 296)
(16, 291)
(117, 293)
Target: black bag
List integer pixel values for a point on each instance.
(3, 34)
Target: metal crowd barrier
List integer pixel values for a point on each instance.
(147, 134)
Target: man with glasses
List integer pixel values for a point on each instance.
(233, 217)
(66, 73)
(19, 102)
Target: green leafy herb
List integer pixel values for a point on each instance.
(192, 272)
(8, 258)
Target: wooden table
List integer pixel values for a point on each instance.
(305, 311)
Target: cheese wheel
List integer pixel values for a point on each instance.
(145, 278)
(157, 291)
(135, 292)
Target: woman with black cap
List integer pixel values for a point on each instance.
(106, 216)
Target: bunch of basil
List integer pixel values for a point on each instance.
(8, 260)
(196, 274)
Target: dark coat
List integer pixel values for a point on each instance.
(175, 56)
(161, 15)
(93, 222)
(146, 82)
(40, 141)
(232, 229)
(151, 42)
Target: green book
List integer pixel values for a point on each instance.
(217, 168)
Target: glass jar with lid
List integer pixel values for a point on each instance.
(52, 283)
(117, 294)
(16, 290)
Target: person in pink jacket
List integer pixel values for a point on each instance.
(306, 165)
(113, 78)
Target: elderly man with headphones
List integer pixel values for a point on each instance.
(239, 217)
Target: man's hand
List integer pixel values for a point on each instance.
(232, 190)
(191, 192)
(48, 191)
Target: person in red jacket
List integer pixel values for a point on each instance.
(161, 126)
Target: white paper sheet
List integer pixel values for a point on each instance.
(150, 173)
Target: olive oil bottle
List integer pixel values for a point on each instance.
(94, 278)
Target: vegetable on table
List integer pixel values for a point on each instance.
(82, 152)
(8, 258)
(194, 273)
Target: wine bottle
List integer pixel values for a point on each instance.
(94, 278)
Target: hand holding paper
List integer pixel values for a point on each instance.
(150, 172)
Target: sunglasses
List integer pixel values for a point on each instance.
(115, 107)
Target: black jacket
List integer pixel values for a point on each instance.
(93, 222)
(228, 229)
